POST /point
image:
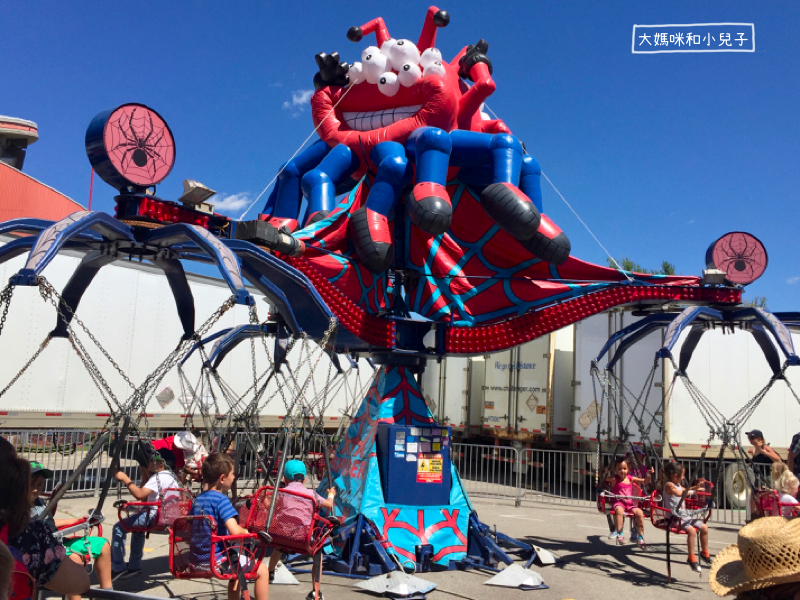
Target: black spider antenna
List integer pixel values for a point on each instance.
(296, 152)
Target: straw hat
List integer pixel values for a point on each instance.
(767, 553)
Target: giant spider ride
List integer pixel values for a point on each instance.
(412, 230)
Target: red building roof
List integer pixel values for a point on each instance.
(23, 196)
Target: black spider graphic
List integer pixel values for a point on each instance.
(746, 259)
(141, 149)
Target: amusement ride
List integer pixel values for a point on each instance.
(413, 229)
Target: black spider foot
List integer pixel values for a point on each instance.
(475, 54)
(264, 234)
(429, 207)
(511, 209)
(549, 243)
(373, 240)
(331, 71)
(317, 217)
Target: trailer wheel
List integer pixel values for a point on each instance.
(736, 485)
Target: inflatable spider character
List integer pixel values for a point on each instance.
(405, 117)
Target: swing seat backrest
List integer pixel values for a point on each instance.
(176, 503)
(197, 552)
(132, 511)
(662, 518)
(296, 525)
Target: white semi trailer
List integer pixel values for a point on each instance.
(129, 308)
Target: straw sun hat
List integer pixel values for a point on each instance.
(767, 553)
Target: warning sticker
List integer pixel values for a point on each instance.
(429, 468)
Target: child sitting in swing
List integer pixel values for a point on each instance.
(622, 484)
(670, 480)
(78, 547)
(218, 477)
(294, 476)
(787, 487)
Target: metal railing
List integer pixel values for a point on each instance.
(522, 475)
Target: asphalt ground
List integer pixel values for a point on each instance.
(589, 567)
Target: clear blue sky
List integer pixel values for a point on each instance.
(658, 154)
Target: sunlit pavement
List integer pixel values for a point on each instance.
(590, 565)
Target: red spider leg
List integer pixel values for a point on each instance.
(391, 522)
(379, 28)
(471, 101)
(427, 39)
(450, 522)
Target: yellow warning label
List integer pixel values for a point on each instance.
(429, 468)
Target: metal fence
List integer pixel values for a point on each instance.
(521, 475)
(569, 477)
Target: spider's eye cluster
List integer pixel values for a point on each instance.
(396, 63)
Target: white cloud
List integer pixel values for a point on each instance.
(231, 202)
(692, 222)
(301, 97)
(299, 102)
(793, 280)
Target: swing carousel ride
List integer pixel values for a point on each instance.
(411, 230)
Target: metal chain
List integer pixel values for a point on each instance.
(50, 294)
(24, 368)
(5, 300)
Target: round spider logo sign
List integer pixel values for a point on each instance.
(130, 145)
(741, 255)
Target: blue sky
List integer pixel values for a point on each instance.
(659, 154)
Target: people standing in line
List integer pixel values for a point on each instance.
(794, 455)
(762, 452)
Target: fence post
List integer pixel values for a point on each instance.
(518, 493)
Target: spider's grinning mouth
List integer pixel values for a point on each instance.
(367, 121)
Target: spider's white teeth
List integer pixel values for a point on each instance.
(367, 121)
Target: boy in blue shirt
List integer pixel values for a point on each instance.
(218, 477)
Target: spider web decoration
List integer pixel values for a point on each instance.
(140, 145)
(742, 256)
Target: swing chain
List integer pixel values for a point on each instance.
(50, 294)
(5, 300)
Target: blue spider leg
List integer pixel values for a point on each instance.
(502, 151)
(429, 148)
(373, 239)
(530, 180)
(320, 184)
(429, 204)
(394, 172)
(287, 191)
(500, 156)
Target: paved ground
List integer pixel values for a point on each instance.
(590, 567)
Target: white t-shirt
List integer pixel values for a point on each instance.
(787, 511)
(165, 480)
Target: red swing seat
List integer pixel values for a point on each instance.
(769, 504)
(227, 554)
(662, 518)
(296, 528)
(175, 503)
